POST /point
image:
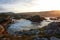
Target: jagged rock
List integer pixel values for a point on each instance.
(37, 38)
(1, 29)
(34, 32)
(52, 28)
(36, 18)
(2, 20)
(19, 33)
(54, 38)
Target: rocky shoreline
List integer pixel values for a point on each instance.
(48, 32)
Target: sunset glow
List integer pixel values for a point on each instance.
(30, 5)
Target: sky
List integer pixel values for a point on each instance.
(28, 5)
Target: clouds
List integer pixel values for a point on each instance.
(13, 1)
(30, 5)
(7, 1)
(2, 9)
(13, 5)
(44, 5)
(10, 1)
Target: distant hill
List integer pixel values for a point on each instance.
(54, 13)
(43, 13)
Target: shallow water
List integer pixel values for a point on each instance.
(24, 24)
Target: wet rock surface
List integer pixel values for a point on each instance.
(36, 18)
(50, 32)
(53, 28)
(54, 38)
(45, 33)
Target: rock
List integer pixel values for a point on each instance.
(28, 33)
(54, 38)
(1, 29)
(5, 39)
(49, 32)
(32, 32)
(37, 38)
(58, 31)
(2, 20)
(36, 31)
(53, 28)
(36, 18)
(19, 33)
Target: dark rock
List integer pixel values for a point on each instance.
(2, 20)
(58, 31)
(32, 32)
(28, 33)
(1, 29)
(49, 32)
(35, 32)
(54, 38)
(37, 38)
(52, 28)
(36, 18)
(19, 33)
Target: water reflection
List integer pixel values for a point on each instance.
(24, 24)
